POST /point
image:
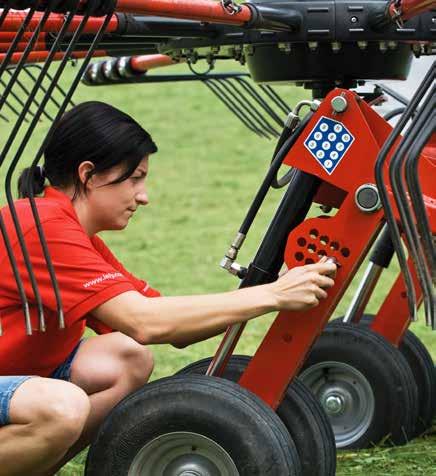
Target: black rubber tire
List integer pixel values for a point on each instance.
(386, 371)
(422, 367)
(249, 431)
(300, 412)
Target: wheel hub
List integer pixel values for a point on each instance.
(182, 454)
(346, 396)
(333, 404)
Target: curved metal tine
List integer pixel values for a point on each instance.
(214, 87)
(257, 97)
(3, 154)
(24, 55)
(423, 225)
(26, 138)
(269, 91)
(416, 195)
(4, 118)
(64, 105)
(27, 92)
(50, 79)
(17, 98)
(380, 180)
(401, 199)
(251, 108)
(398, 97)
(41, 87)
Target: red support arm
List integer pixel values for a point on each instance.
(41, 56)
(200, 10)
(14, 19)
(143, 63)
(406, 9)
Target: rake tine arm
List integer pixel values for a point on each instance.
(423, 224)
(251, 109)
(384, 197)
(27, 92)
(9, 105)
(23, 145)
(17, 226)
(43, 89)
(269, 91)
(6, 58)
(225, 94)
(415, 191)
(255, 95)
(401, 199)
(247, 123)
(9, 57)
(65, 103)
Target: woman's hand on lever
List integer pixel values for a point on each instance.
(303, 287)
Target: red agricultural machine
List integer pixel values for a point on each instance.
(362, 379)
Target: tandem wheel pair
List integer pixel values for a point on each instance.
(354, 390)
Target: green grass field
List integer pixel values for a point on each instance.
(200, 186)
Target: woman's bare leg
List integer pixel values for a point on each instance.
(47, 416)
(107, 368)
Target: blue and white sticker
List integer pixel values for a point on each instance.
(328, 142)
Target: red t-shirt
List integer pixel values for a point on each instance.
(88, 275)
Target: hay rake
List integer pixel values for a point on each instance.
(342, 155)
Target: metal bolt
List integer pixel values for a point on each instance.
(383, 46)
(313, 45)
(392, 45)
(367, 198)
(334, 404)
(354, 19)
(336, 46)
(339, 104)
(362, 45)
(285, 47)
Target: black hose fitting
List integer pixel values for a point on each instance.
(273, 18)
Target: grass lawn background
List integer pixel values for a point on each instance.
(200, 186)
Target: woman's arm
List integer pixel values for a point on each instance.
(184, 320)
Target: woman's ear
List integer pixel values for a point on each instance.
(84, 171)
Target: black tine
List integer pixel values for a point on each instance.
(4, 118)
(214, 86)
(3, 154)
(379, 175)
(13, 164)
(256, 96)
(394, 94)
(19, 282)
(64, 105)
(27, 92)
(245, 102)
(415, 191)
(276, 98)
(23, 144)
(50, 78)
(42, 88)
(401, 198)
(24, 56)
(423, 232)
(9, 105)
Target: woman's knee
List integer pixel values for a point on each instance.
(55, 410)
(137, 360)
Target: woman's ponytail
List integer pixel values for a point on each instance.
(36, 181)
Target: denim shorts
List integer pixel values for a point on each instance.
(9, 383)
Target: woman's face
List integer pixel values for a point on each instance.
(111, 206)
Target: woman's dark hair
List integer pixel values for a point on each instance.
(92, 131)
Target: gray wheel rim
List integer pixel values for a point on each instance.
(346, 396)
(182, 454)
